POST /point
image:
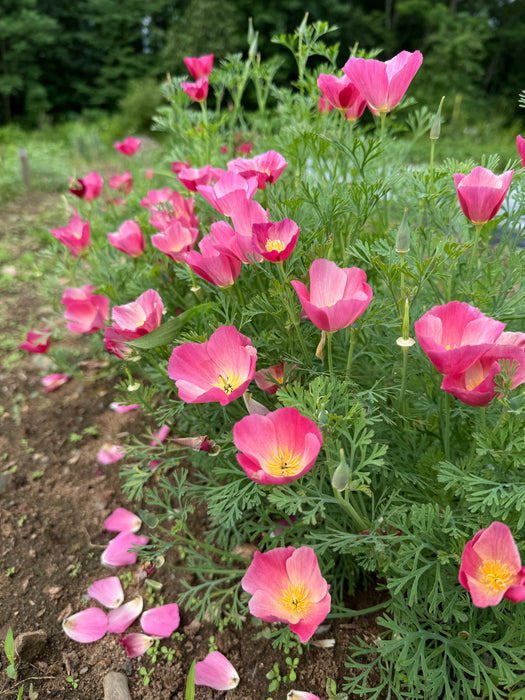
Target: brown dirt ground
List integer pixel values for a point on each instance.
(53, 503)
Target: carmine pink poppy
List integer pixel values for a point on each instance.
(179, 165)
(245, 148)
(271, 378)
(236, 243)
(51, 382)
(199, 67)
(454, 336)
(520, 144)
(383, 84)
(342, 94)
(481, 193)
(219, 369)
(123, 183)
(129, 146)
(491, 567)
(224, 196)
(275, 241)
(175, 240)
(36, 342)
(76, 235)
(212, 264)
(167, 206)
(89, 187)
(133, 320)
(216, 672)
(267, 168)
(277, 448)
(197, 91)
(286, 585)
(191, 177)
(85, 311)
(337, 295)
(129, 239)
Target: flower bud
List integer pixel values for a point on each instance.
(435, 129)
(403, 235)
(341, 474)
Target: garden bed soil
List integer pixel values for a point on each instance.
(54, 497)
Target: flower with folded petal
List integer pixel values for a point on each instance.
(176, 240)
(216, 672)
(342, 94)
(219, 369)
(455, 335)
(85, 311)
(481, 193)
(271, 378)
(36, 342)
(213, 264)
(199, 66)
(87, 625)
(383, 84)
(225, 194)
(277, 448)
(161, 621)
(107, 591)
(287, 586)
(198, 91)
(133, 320)
(117, 552)
(491, 567)
(267, 168)
(275, 241)
(76, 235)
(191, 177)
(129, 239)
(337, 295)
(119, 619)
(88, 187)
(520, 144)
(129, 146)
(167, 206)
(136, 644)
(123, 183)
(122, 520)
(51, 382)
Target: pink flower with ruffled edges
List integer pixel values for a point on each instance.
(383, 84)
(213, 264)
(197, 91)
(275, 241)
(89, 187)
(52, 382)
(267, 168)
(87, 625)
(342, 94)
(123, 183)
(85, 311)
(287, 586)
(219, 369)
(481, 193)
(277, 448)
(36, 342)
(271, 378)
(520, 145)
(191, 177)
(491, 567)
(199, 67)
(76, 235)
(176, 240)
(337, 295)
(227, 191)
(455, 335)
(216, 672)
(129, 146)
(129, 239)
(133, 320)
(167, 206)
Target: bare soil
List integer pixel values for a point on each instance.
(54, 497)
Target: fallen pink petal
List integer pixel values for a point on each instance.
(161, 621)
(120, 618)
(109, 454)
(107, 591)
(123, 407)
(216, 672)
(51, 382)
(136, 644)
(86, 626)
(117, 552)
(123, 520)
(36, 342)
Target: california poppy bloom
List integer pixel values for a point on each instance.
(481, 193)
(199, 67)
(129, 146)
(85, 311)
(76, 235)
(129, 239)
(88, 187)
(198, 91)
(342, 94)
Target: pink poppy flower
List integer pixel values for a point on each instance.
(245, 148)
(88, 625)
(197, 91)
(167, 206)
(216, 672)
(129, 239)
(212, 264)
(481, 193)
(161, 621)
(219, 369)
(122, 520)
(119, 619)
(136, 644)
(225, 194)
(129, 146)
(176, 240)
(199, 67)
(342, 94)
(287, 586)
(491, 567)
(36, 342)
(520, 144)
(271, 378)
(191, 177)
(85, 311)
(337, 295)
(76, 235)
(51, 382)
(179, 165)
(275, 241)
(267, 168)
(117, 552)
(123, 183)
(109, 454)
(89, 187)
(383, 84)
(277, 448)
(455, 335)
(107, 591)
(132, 321)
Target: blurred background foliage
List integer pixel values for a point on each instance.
(61, 58)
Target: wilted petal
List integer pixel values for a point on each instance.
(121, 618)
(87, 625)
(110, 453)
(107, 591)
(136, 644)
(161, 621)
(117, 554)
(122, 520)
(216, 672)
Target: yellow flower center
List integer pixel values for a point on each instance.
(229, 383)
(284, 463)
(274, 245)
(495, 575)
(294, 599)
(448, 347)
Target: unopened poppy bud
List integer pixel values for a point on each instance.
(403, 235)
(341, 474)
(435, 129)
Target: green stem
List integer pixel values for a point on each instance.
(350, 352)
(446, 427)
(329, 353)
(344, 612)
(291, 314)
(351, 510)
(383, 146)
(432, 147)
(473, 252)
(401, 404)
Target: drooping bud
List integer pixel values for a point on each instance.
(403, 235)
(435, 129)
(341, 474)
